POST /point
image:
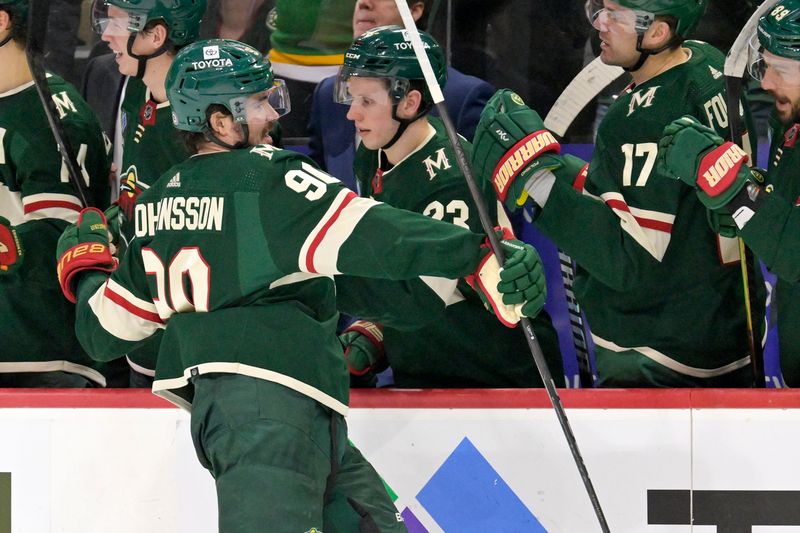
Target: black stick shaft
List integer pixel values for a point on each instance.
(733, 88)
(527, 327)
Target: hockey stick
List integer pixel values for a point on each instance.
(38, 13)
(735, 63)
(583, 88)
(486, 223)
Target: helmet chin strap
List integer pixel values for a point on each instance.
(644, 54)
(405, 122)
(211, 137)
(142, 59)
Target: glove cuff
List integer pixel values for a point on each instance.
(517, 158)
(374, 334)
(84, 256)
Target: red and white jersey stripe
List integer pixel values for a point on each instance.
(651, 229)
(320, 251)
(49, 205)
(122, 314)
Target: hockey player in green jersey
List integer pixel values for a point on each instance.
(768, 223)
(37, 201)
(144, 36)
(445, 337)
(234, 256)
(662, 292)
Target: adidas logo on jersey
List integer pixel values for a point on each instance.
(175, 181)
(715, 73)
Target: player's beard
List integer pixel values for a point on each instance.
(264, 136)
(791, 116)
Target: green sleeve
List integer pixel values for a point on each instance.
(590, 232)
(773, 235)
(314, 224)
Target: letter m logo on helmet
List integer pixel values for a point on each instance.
(687, 12)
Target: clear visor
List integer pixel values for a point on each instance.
(263, 107)
(762, 64)
(618, 20)
(367, 88)
(111, 20)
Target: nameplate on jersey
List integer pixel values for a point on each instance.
(179, 213)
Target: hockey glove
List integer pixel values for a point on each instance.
(83, 246)
(516, 290)
(363, 351)
(696, 155)
(510, 144)
(11, 252)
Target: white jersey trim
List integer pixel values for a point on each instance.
(52, 205)
(11, 205)
(444, 288)
(161, 387)
(320, 251)
(121, 320)
(55, 366)
(650, 229)
(672, 364)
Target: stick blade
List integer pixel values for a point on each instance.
(583, 88)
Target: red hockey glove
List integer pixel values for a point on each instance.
(510, 143)
(83, 246)
(363, 351)
(516, 290)
(11, 252)
(696, 155)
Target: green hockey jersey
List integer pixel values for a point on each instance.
(772, 233)
(444, 336)
(147, 145)
(37, 197)
(234, 255)
(652, 276)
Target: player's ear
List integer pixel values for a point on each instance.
(158, 34)
(410, 104)
(417, 9)
(5, 21)
(220, 123)
(660, 33)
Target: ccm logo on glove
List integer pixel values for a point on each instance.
(718, 169)
(518, 157)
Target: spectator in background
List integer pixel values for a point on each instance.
(242, 20)
(333, 137)
(308, 42)
(62, 38)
